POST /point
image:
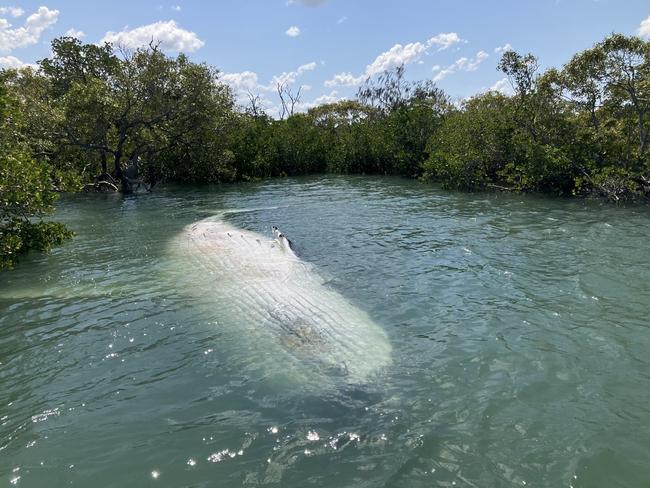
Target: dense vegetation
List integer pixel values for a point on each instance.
(25, 189)
(107, 119)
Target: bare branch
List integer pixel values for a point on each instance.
(294, 99)
(281, 87)
(254, 102)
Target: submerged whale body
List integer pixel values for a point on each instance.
(291, 322)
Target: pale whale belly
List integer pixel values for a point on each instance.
(290, 319)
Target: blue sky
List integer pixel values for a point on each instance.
(329, 46)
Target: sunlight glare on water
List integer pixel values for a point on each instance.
(516, 324)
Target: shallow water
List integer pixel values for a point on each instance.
(518, 328)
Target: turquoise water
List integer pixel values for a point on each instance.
(517, 324)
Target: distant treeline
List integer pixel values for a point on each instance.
(102, 118)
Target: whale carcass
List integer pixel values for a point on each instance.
(290, 321)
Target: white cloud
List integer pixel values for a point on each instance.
(75, 33)
(177, 8)
(170, 36)
(445, 40)
(461, 64)
(241, 82)
(502, 49)
(644, 28)
(28, 34)
(478, 59)
(452, 68)
(307, 67)
(331, 97)
(342, 19)
(502, 86)
(293, 31)
(396, 56)
(249, 80)
(11, 62)
(13, 11)
(345, 79)
(290, 77)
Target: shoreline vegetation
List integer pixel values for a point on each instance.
(102, 118)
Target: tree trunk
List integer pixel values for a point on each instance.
(642, 141)
(119, 174)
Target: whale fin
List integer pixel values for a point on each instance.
(283, 240)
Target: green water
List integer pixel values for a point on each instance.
(518, 327)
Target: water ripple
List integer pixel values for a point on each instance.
(518, 326)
